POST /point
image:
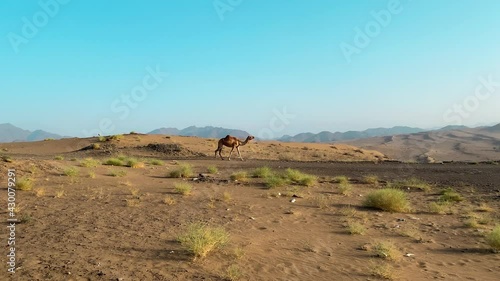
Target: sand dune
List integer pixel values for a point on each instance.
(457, 145)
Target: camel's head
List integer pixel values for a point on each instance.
(250, 138)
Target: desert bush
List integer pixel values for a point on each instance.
(382, 270)
(388, 199)
(483, 207)
(341, 179)
(233, 273)
(239, 176)
(117, 173)
(96, 146)
(71, 172)
(114, 162)
(386, 250)
(89, 163)
(183, 188)
(134, 163)
(102, 138)
(355, 228)
(184, 170)
(300, 178)
(262, 172)
(439, 207)
(156, 162)
(115, 137)
(212, 169)
(201, 239)
(493, 238)
(25, 184)
(370, 179)
(275, 181)
(450, 195)
(411, 183)
(59, 157)
(345, 188)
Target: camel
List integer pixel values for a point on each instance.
(232, 142)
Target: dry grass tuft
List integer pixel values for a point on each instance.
(183, 188)
(388, 199)
(201, 239)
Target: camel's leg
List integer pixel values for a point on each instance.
(220, 153)
(230, 154)
(239, 154)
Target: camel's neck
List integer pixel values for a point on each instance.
(244, 142)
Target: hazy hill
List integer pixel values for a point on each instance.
(10, 133)
(203, 132)
(457, 143)
(326, 136)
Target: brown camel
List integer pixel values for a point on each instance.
(232, 142)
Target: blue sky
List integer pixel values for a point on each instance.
(66, 66)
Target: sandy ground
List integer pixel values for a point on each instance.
(94, 226)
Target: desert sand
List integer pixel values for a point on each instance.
(105, 222)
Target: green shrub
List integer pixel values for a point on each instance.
(201, 239)
(300, 178)
(341, 179)
(411, 183)
(262, 172)
(133, 163)
(114, 162)
(275, 181)
(212, 169)
(183, 188)
(239, 176)
(71, 172)
(117, 173)
(493, 238)
(345, 189)
(370, 179)
(450, 195)
(89, 163)
(25, 184)
(156, 162)
(185, 170)
(388, 199)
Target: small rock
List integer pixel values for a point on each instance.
(293, 200)
(252, 218)
(401, 219)
(409, 255)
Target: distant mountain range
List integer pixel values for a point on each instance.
(11, 133)
(327, 136)
(203, 132)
